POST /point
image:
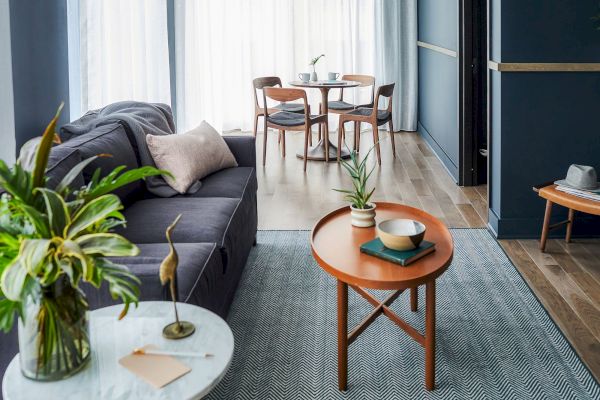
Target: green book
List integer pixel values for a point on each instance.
(376, 248)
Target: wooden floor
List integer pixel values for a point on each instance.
(566, 279)
(291, 199)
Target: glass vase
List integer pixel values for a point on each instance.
(54, 340)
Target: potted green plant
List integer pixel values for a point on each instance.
(362, 210)
(52, 240)
(313, 63)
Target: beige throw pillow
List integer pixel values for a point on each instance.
(190, 156)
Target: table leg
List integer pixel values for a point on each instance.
(324, 150)
(430, 335)
(546, 226)
(342, 298)
(570, 225)
(414, 298)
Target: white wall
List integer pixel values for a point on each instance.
(7, 116)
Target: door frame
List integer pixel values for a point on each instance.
(472, 91)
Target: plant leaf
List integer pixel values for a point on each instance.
(93, 212)
(13, 280)
(113, 181)
(71, 248)
(107, 245)
(56, 209)
(8, 308)
(33, 255)
(72, 174)
(43, 152)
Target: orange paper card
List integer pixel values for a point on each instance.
(158, 371)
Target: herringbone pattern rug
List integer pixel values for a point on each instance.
(494, 339)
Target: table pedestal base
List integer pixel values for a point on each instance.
(317, 153)
(345, 339)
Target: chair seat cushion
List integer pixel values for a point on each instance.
(286, 118)
(290, 107)
(229, 183)
(381, 114)
(340, 105)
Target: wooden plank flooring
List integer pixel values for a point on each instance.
(291, 199)
(566, 279)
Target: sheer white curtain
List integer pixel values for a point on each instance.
(396, 52)
(123, 52)
(222, 45)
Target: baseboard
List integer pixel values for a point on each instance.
(585, 226)
(438, 151)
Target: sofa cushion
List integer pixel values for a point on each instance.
(198, 275)
(229, 182)
(110, 140)
(190, 156)
(61, 160)
(203, 219)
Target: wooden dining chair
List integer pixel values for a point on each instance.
(371, 115)
(290, 121)
(270, 81)
(340, 106)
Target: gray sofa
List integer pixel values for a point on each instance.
(213, 238)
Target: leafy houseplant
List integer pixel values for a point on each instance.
(362, 210)
(52, 240)
(313, 63)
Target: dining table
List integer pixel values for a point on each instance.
(317, 152)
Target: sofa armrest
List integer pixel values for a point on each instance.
(243, 149)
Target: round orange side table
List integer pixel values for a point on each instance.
(335, 245)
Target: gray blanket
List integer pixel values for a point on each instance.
(140, 119)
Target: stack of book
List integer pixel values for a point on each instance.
(376, 248)
(586, 194)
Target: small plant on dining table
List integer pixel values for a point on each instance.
(314, 61)
(363, 211)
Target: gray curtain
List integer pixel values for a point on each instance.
(396, 53)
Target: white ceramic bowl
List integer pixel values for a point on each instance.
(401, 234)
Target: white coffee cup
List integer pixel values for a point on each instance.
(304, 76)
(333, 76)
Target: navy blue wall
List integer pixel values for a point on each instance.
(541, 122)
(438, 80)
(40, 72)
(39, 48)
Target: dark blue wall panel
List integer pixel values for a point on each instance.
(438, 80)
(541, 122)
(39, 48)
(550, 31)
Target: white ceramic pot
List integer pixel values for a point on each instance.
(313, 76)
(363, 218)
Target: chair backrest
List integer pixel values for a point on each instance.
(365, 80)
(263, 82)
(283, 95)
(385, 91)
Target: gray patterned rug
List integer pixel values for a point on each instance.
(494, 339)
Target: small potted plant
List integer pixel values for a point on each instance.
(362, 210)
(313, 62)
(51, 241)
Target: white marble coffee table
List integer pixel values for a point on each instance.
(111, 339)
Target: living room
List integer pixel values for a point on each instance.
(274, 199)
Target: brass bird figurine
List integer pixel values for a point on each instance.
(167, 273)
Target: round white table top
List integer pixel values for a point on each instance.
(325, 84)
(104, 378)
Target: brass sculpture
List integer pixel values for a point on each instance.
(178, 329)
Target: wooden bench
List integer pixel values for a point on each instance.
(552, 195)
